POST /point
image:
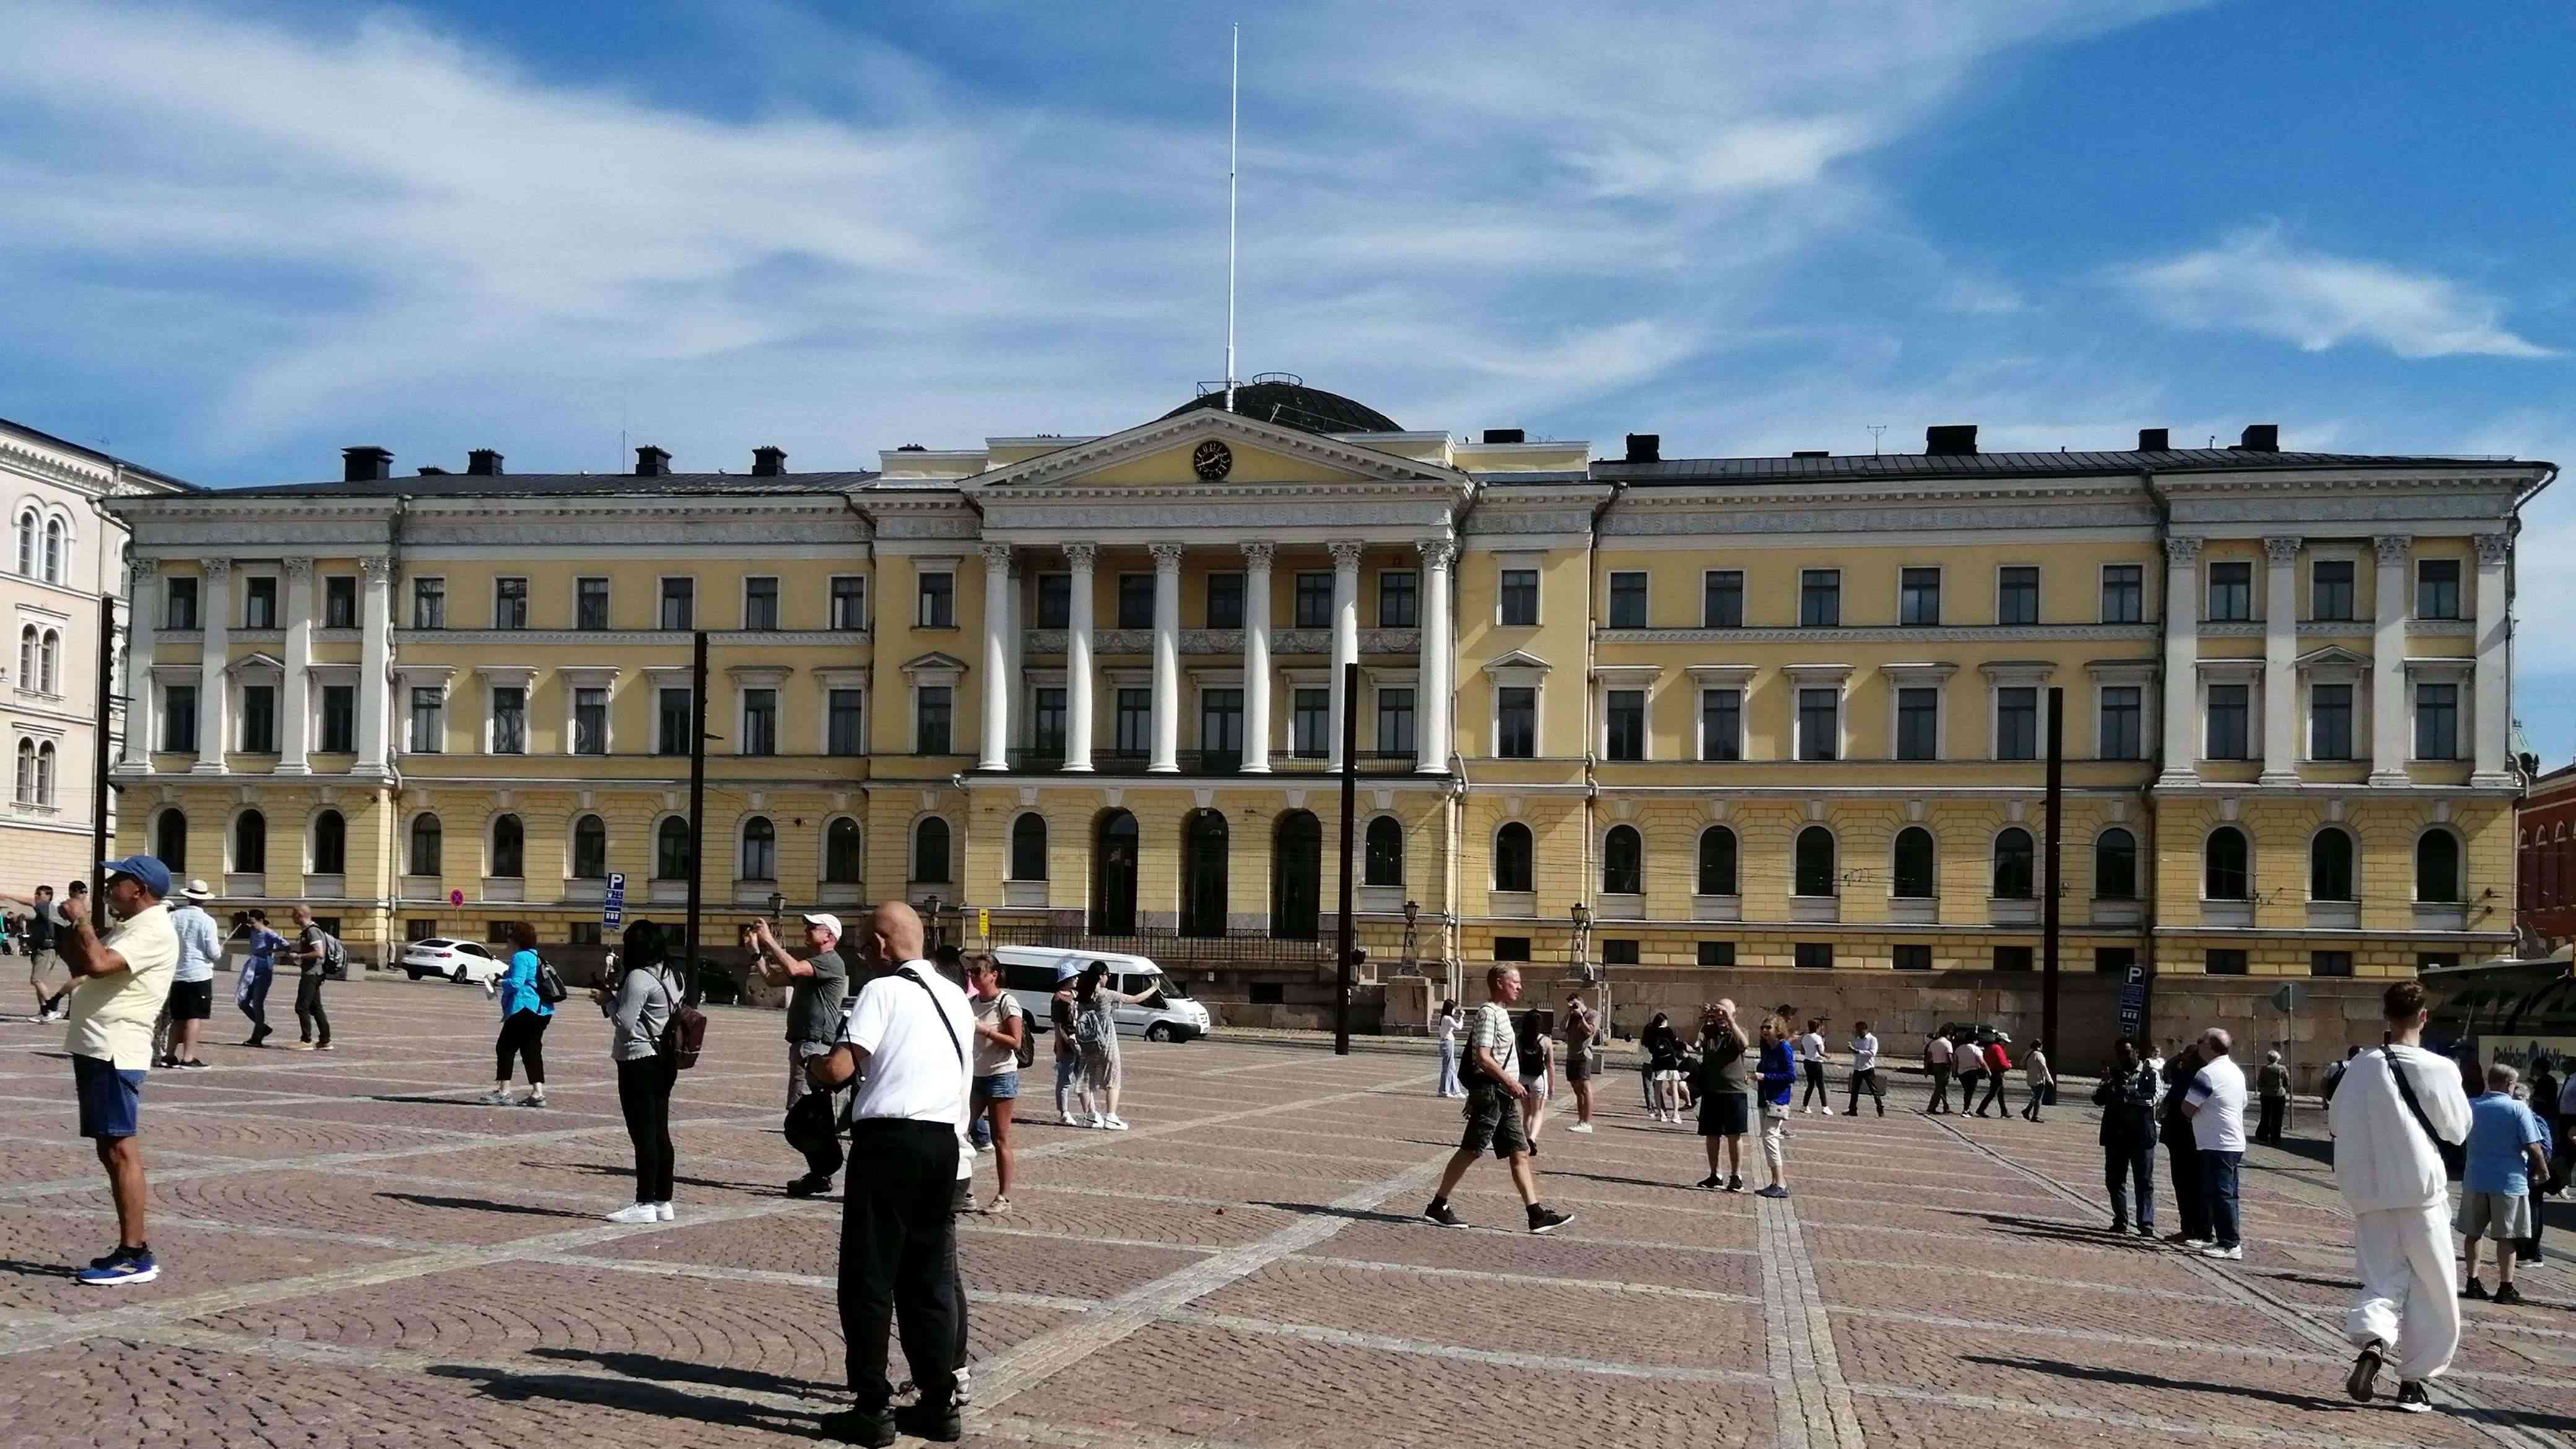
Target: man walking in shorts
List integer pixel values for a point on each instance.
(2506, 1155)
(1494, 1095)
(192, 984)
(119, 984)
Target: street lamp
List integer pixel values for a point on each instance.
(1412, 914)
(777, 906)
(931, 903)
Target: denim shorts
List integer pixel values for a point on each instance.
(1068, 1072)
(111, 1101)
(999, 1087)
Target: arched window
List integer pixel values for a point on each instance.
(2437, 867)
(26, 773)
(1813, 862)
(170, 841)
(1623, 862)
(1913, 862)
(428, 843)
(49, 668)
(330, 843)
(842, 852)
(250, 843)
(1717, 862)
(45, 773)
(27, 543)
(1028, 847)
(2330, 865)
(509, 848)
(590, 848)
(930, 851)
(1113, 875)
(1297, 877)
(27, 657)
(1383, 862)
(2115, 865)
(759, 849)
(2225, 872)
(53, 551)
(1512, 856)
(671, 849)
(2013, 857)
(1206, 870)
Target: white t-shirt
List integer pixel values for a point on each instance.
(1938, 1052)
(913, 1071)
(1449, 1024)
(1865, 1052)
(2219, 1092)
(1811, 1047)
(992, 1060)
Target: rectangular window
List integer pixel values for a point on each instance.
(1046, 724)
(1516, 722)
(1511, 948)
(1819, 724)
(1814, 955)
(2330, 722)
(850, 602)
(179, 597)
(931, 719)
(340, 601)
(1628, 601)
(2224, 961)
(509, 720)
(1312, 607)
(509, 603)
(1820, 598)
(2017, 723)
(937, 605)
(760, 721)
(2124, 722)
(2437, 721)
(429, 603)
(179, 719)
(428, 719)
(760, 604)
(259, 719)
(1717, 953)
(1721, 724)
(2124, 594)
(2114, 960)
(2330, 963)
(671, 720)
(2017, 595)
(1399, 600)
(2231, 592)
(1135, 724)
(1625, 725)
(1520, 598)
(1913, 958)
(1221, 728)
(1225, 601)
(339, 719)
(2228, 727)
(2330, 589)
(590, 604)
(1918, 724)
(1721, 599)
(847, 725)
(1309, 721)
(416, 929)
(1055, 601)
(679, 605)
(590, 721)
(2012, 958)
(1395, 723)
(1619, 951)
(1135, 601)
(1918, 596)
(2437, 588)
(259, 602)
(585, 933)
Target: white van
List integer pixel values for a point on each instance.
(1032, 974)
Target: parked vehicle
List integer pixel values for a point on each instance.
(1032, 973)
(458, 961)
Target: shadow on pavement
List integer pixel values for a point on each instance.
(636, 1395)
(597, 1169)
(21, 1268)
(722, 1376)
(2092, 1374)
(483, 1205)
(1356, 1215)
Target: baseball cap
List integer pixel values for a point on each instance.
(147, 872)
(825, 920)
(197, 891)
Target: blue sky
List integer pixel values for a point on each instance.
(237, 238)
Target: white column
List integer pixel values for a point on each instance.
(2493, 726)
(1256, 658)
(1431, 727)
(996, 663)
(1346, 641)
(295, 713)
(2388, 702)
(1077, 659)
(375, 663)
(2182, 661)
(1167, 660)
(215, 611)
(2280, 662)
(142, 616)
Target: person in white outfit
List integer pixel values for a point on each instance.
(2386, 1116)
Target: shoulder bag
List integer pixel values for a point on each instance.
(2454, 1155)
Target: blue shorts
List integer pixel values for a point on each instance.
(1068, 1073)
(999, 1087)
(111, 1101)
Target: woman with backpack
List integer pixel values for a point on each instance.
(1537, 1068)
(1095, 1031)
(641, 1009)
(528, 991)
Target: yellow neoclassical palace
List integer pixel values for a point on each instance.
(1663, 717)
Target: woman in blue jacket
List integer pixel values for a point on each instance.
(1779, 1073)
(524, 1018)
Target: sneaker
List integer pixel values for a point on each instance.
(497, 1097)
(1775, 1190)
(1443, 1215)
(809, 1186)
(125, 1265)
(2119, 1230)
(299, 1046)
(1735, 1183)
(2186, 1240)
(2229, 1253)
(662, 1212)
(1114, 1122)
(2507, 1293)
(966, 1202)
(1710, 1183)
(1547, 1220)
(939, 1423)
(2365, 1371)
(2147, 1231)
(1583, 1127)
(998, 1207)
(856, 1426)
(533, 1099)
(322, 1046)
(1066, 1119)
(2474, 1289)
(1851, 1111)
(2411, 1399)
(634, 1213)
(192, 1066)
(1098, 1119)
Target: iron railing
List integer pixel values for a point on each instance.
(1170, 948)
(1206, 762)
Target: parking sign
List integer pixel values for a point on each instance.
(612, 907)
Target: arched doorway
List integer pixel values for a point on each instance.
(1204, 868)
(1113, 876)
(1297, 877)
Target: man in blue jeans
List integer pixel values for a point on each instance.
(2215, 1103)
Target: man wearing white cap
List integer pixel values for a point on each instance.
(192, 984)
(817, 985)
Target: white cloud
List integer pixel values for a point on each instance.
(2257, 281)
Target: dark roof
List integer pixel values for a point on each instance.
(128, 464)
(1276, 399)
(542, 485)
(1893, 467)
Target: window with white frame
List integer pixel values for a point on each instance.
(57, 549)
(2123, 722)
(1918, 597)
(1918, 722)
(1628, 600)
(509, 719)
(1516, 722)
(2229, 733)
(1721, 723)
(510, 603)
(1819, 723)
(935, 606)
(760, 602)
(2330, 589)
(259, 719)
(1517, 601)
(760, 721)
(2437, 720)
(1623, 724)
(2437, 588)
(2231, 591)
(2017, 722)
(2329, 721)
(1820, 598)
(2124, 593)
(846, 723)
(679, 605)
(179, 719)
(428, 735)
(850, 601)
(179, 603)
(259, 601)
(429, 603)
(2017, 594)
(1721, 599)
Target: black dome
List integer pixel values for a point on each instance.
(1281, 397)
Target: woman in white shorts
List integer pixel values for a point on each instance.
(1537, 1067)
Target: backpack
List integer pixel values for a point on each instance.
(685, 1034)
(550, 984)
(333, 953)
(1087, 1022)
(1028, 1049)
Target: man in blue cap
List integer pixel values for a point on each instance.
(120, 982)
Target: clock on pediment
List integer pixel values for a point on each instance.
(1212, 460)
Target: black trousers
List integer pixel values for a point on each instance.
(813, 1127)
(2191, 1200)
(1994, 1094)
(2267, 1126)
(2132, 1163)
(311, 1024)
(1865, 1079)
(898, 1248)
(523, 1036)
(1816, 1087)
(1940, 1101)
(644, 1093)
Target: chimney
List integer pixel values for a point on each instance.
(483, 463)
(768, 462)
(651, 462)
(2260, 438)
(2155, 440)
(1950, 440)
(1506, 435)
(366, 465)
(432, 470)
(1645, 447)
(1812, 453)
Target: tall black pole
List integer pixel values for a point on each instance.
(2048, 901)
(1350, 808)
(99, 751)
(697, 808)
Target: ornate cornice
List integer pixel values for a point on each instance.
(2182, 549)
(2393, 548)
(1886, 634)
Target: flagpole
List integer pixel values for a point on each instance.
(1233, 130)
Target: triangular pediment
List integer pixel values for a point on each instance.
(255, 663)
(1516, 659)
(932, 662)
(1207, 449)
(2330, 656)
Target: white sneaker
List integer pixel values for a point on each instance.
(1114, 1122)
(997, 1207)
(2228, 1254)
(1580, 1127)
(633, 1213)
(1098, 1119)
(662, 1212)
(494, 1098)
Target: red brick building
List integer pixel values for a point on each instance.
(2545, 862)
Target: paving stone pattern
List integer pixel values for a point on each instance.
(354, 1252)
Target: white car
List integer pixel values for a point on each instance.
(458, 961)
(1165, 1012)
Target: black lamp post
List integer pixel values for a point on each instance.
(777, 906)
(931, 905)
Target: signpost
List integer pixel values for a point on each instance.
(984, 924)
(612, 907)
(2133, 1006)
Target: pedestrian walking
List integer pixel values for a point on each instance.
(2182, 1150)
(818, 985)
(1000, 1030)
(2272, 1094)
(192, 982)
(1494, 1093)
(250, 989)
(1779, 1075)
(2127, 1097)
(315, 951)
(1724, 1087)
(904, 1037)
(1811, 1061)
(640, 1011)
(1537, 1066)
(1446, 1026)
(119, 983)
(1663, 1047)
(1864, 1078)
(44, 924)
(1069, 1090)
(1998, 1064)
(1582, 1032)
(525, 1015)
(1095, 1030)
(2334, 1074)
(2507, 1152)
(1937, 1055)
(1969, 1069)
(2215, 1103)
(2392, 1114)
(2037, 1079)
